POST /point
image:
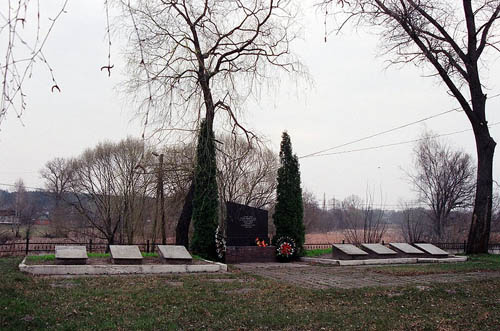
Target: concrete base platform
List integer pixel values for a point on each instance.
(411, 260)
(120, 269)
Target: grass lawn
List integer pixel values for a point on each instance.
(237, 300)
(475, 263)
(317, 252)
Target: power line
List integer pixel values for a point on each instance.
(399, 143)
(386, 131)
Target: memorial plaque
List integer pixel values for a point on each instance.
(173, 254)
(71, 254)
(244, 224)
(406, 248)
(125, 254)
(379, 249)
(432, 250)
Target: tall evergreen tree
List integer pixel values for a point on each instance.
(289, 211)
(205, 200)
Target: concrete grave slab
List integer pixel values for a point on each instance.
(379, 249)
(125, 254)
(347, 252)
(406, 248)
(432, 250)
(175, 254)
(349, 249)
(410, 260)
(71, 254)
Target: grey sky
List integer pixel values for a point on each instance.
(353, 96)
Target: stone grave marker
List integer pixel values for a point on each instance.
(125, 254)
(244, 224)
(175, 254)
(71, 254)
(379, 249)
(347, 252)
(432, 250)
(406, 248)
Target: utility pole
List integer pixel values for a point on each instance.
(161, 196)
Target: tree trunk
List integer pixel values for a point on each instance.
(182, 230)
(481, 217)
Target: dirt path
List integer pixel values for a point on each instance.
(311, 276)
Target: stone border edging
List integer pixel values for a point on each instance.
(411, 260)
(112, 269)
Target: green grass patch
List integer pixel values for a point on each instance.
(317, 252)
(482, 262)
(46, 257)
(149, 254)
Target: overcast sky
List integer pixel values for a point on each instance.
(354, 95)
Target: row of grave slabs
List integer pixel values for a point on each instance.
(396, 253)
(127, 259)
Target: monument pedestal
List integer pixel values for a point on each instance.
(248, 254)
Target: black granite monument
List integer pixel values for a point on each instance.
(244, 224)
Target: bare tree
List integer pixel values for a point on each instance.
(246, 174)
(57, 174)
(25, 210)
(444, 179)
(133, 188)
(363, 223)
(413, 223)
(185, 55)
(24, 30)
(108, 191)
(20, 205)
(312, 213)
(453, 39)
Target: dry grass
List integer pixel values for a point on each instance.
(393, 234)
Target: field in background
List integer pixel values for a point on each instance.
(393, 234)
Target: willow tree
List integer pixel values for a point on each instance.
(24, 29)
(191, 59)
(453, 38)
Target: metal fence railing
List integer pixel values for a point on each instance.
(26, 247)
(457, 247)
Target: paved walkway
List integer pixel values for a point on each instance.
(312, 276)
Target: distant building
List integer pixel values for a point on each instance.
(8, 216)
(42, 219)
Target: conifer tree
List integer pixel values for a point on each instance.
(289, 211)
(205, 199)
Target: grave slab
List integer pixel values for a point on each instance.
(71, 254)
(432, 250)
(125, 254)
(175, 254)
(379, 249)
(347, 252)
(350, 249)
(406, 248)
